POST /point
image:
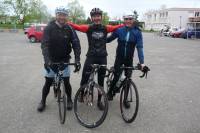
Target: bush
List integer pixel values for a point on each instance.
(151, 30)
(10, 26)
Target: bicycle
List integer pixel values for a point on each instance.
(84, 102)
(59, 89)
(129, 97)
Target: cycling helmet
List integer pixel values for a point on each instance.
(62, 10)
(128, 17)
(95, 11)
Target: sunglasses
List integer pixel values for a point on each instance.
(128, 18)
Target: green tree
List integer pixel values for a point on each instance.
(137, 23)
(88, 21)
(105, 18)
(31, 10)
(37, 12)
(3, 12)
(76, 12)
(17, 7)
(2, 8)
(135, 14)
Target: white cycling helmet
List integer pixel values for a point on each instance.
(62, 10)
(128, 16)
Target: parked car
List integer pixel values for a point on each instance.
(178, 33)
(168, 31)
(191, 33)
(35, 32)
(26, 30)
(27, 26)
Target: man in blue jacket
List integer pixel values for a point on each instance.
(129, 37)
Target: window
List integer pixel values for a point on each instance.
(166, 14)
(197, 14)
(149, 16)
(38, 28)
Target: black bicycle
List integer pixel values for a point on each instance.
(59, 89)
(86, 99)
(129, 97)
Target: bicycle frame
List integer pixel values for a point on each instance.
(126, 94)
(91, 82)
(110, 74)
(57, 79)
(59, 90)
(58, 76)
(59, 73)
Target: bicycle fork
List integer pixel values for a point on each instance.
(127, 90)
(88, 96)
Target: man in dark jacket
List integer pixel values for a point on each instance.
(58, 41)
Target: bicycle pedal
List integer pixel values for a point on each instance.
(91, 104)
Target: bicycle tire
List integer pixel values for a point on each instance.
(76, 110)
(134, 91)
(62, 102)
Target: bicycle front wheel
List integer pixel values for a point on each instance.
(129, 101)
(85, 105)
(62, 102)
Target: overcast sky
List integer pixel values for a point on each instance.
(116, 8)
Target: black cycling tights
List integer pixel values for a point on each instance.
(47, 85)
(87, 69)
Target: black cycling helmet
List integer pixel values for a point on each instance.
(62, 10)
(96, 11)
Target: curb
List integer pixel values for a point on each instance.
(12, 30)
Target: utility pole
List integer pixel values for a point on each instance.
(180, 21)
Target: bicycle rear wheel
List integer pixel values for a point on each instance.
(85, 106)
(129, 101)
(61, 102)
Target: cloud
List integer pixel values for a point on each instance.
(119, 7)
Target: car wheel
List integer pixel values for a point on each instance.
(32, 39)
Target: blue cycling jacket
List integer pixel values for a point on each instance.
(128, 39)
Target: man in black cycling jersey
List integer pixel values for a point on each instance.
(58, 40)
(97, 53)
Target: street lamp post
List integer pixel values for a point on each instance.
(180, 21)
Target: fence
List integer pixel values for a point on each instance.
(193, 34)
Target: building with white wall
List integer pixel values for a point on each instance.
(173, 17)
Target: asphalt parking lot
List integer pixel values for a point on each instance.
(169, 97)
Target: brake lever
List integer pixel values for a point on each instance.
(142, 75)
(145, 73)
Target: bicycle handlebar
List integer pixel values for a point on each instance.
(59, 65)
(131, 68)
(138, 67)
(98, 66)
(62, 63)
(111, 70)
